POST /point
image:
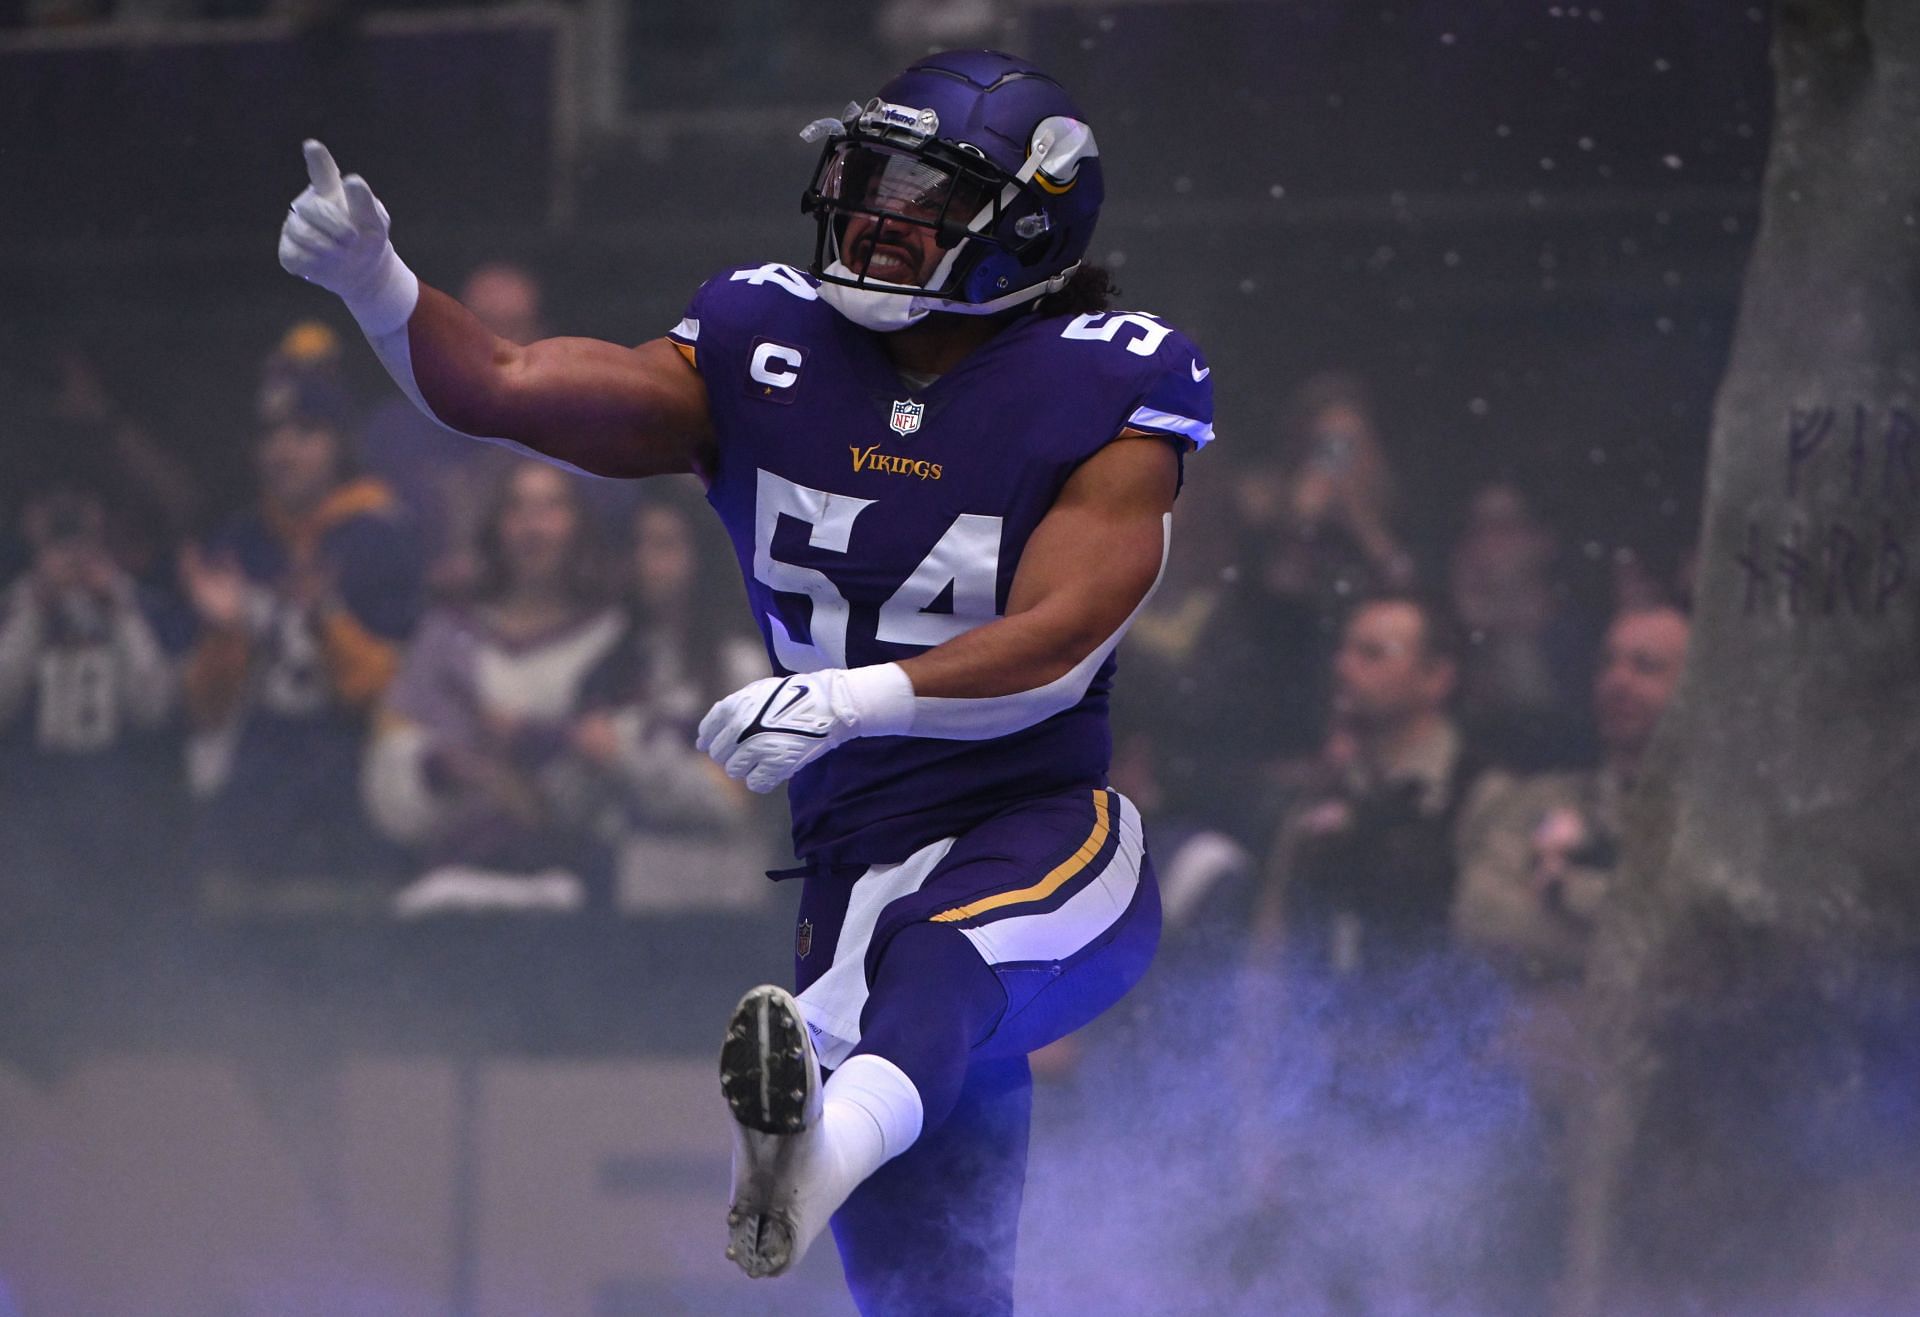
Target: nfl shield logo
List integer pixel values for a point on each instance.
(906, 417)
(803, 939)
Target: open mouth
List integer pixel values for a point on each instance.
(886, 260)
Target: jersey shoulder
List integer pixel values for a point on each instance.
(745, 301)
(1165, 373)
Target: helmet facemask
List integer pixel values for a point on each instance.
(887, 192)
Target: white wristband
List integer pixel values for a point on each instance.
(386, 302)
(878, 700)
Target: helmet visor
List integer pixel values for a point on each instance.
(878, 197)
(884, 180)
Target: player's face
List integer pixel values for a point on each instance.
(1382, 672)
(538, 524)
(1640, 664)
(299, 463)
(892, 250)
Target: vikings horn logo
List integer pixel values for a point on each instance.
(906, 417)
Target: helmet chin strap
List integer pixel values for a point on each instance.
(883, 308)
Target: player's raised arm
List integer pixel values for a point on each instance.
(601, 407)
(1086, 570)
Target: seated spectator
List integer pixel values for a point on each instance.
(302, 604)
(475, 767)
(1527, 651)
(1357, 1047)
(1537, 853)
(1362, 874)
(688, 837)
(89, 803)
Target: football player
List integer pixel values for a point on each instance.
(948, 471)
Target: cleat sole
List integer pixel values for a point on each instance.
(763, 1071)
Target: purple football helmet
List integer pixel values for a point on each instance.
(981, 148)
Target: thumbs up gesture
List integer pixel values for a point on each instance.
(335, 235)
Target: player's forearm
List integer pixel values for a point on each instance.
(600, 407)
(1038, 660)
(1009, 656)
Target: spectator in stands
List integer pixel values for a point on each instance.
(1361, 877)
(63, 427)
(1360, 1028)
(1527, 651)
(1536, 857)
(1338, 507)
(89, 804)
(303, 603)
(475, 766)
(1537, 853)
(688, 837)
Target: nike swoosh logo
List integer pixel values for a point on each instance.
(760, 720)
(1199, 374)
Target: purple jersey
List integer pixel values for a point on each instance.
(874, 520)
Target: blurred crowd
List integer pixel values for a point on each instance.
(404, 662)
(407, 674)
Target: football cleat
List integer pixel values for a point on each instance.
(771, 1080)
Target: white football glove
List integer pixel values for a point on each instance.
(770, 729)
(335, 235)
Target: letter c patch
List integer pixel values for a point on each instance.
(774, 369)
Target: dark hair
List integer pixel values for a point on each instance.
(1089, 289)
(1440, 634)
(585, 578)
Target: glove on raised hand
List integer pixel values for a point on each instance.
(335, 235)
(770, 729)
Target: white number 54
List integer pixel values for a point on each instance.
(967, 558)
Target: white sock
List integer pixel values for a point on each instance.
(871, 1114)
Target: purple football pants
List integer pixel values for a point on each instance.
(932, 1233)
